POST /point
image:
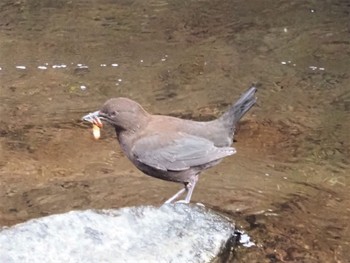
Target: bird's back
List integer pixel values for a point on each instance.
(219, 131)
(213, 131)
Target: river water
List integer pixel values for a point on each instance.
(287, 186)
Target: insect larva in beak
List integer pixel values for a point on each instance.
(96, 132)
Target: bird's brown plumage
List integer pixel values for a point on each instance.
(171, 148)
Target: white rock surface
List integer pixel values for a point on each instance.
(171, 233)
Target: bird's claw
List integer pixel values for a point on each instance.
(182, 202)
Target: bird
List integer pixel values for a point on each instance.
(171, 148)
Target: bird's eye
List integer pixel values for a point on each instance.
(113, 113)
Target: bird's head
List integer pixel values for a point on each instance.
(122, 113)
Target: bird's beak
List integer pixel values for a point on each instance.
(93, 118)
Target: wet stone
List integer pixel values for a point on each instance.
(170, 233)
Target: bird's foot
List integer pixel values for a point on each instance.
(182, 202)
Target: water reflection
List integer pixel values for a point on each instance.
(287, 186)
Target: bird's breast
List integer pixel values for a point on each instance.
(125, 142)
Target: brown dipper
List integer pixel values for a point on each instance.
(170, 148)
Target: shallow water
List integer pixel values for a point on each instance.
(288, 184)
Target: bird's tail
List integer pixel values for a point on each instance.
(237, 110)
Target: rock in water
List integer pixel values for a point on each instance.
(171, 233)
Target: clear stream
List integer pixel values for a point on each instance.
(288, 186)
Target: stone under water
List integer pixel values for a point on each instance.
(170, 233)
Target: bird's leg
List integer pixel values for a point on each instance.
(171, 199)
(190, 188)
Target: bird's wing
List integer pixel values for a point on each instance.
(177, 151)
